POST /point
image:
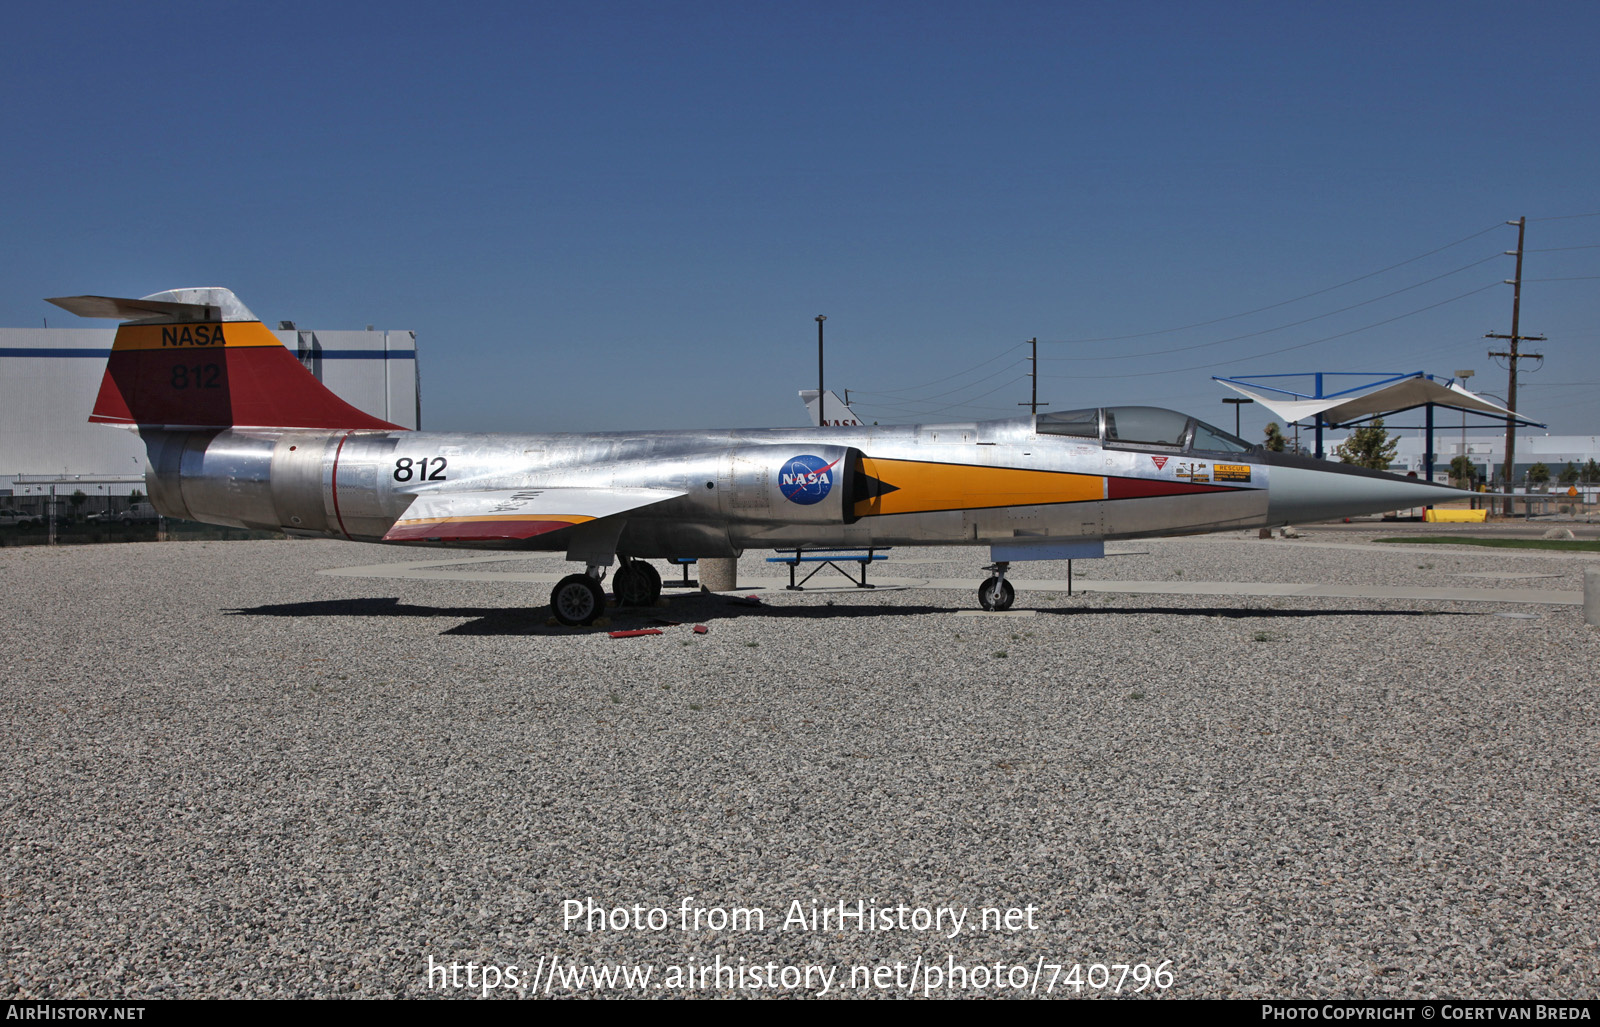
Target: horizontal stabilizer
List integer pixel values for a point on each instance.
(197, 359)
(515, 513)
(198, 304)
(131, 309)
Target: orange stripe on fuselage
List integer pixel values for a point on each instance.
(210, 335)
(923, 487)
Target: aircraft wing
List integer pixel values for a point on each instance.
(515, 513)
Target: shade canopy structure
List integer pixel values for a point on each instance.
(1408, 394)
(1390, 394)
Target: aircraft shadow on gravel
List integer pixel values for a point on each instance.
(1250, 613)
(690, 609)
(533, 619)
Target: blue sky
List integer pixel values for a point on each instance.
(625, 215)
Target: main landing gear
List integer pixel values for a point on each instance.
(636, 583)
(579, 599)
(996, 592)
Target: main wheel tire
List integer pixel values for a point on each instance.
(654, 577)
(632, 585)
(996, 594)
(577, 600)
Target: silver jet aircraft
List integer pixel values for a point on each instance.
(239, 433)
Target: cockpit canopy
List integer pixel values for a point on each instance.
(1144, 427)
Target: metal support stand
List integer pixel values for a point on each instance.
(687, 582)
(825, 562)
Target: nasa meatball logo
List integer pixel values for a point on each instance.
(806, 480)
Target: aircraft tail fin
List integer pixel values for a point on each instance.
(198, 358)
(833, 413)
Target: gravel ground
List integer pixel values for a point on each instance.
(226, 774)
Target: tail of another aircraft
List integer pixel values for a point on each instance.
(832, 412)
(198, 358)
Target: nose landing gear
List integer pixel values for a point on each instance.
(996, 593)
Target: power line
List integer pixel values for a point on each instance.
(929, 399)
(1291, 324)
(908, 405)
(947, 392)
(1287, 349)
(937, 381)
(1284, 303)
(1566, 217)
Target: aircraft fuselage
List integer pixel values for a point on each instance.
(983, 482)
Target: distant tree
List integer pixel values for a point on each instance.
(135, 496)
(1591, 471)
(1538, 473)
(1569, 474)
(1464, 471)
(77, 499)
(1275, 440)
(1369, 446)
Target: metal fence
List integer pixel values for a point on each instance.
(85, 520)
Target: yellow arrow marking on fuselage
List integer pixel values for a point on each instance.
(923, 487)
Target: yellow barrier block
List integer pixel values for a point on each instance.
(1464, 516)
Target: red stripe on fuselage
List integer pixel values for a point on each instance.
(336, 514)
(1143, 488)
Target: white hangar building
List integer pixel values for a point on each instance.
(49, 378)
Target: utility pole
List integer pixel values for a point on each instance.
(1033, 403)
(822, 397)
(1513, 355)
(1464, 375)
(1237, 403)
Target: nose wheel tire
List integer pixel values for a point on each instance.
(577, 600)
(636, 583)
(996, 594)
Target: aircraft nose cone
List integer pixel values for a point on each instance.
(1301, 494)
